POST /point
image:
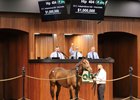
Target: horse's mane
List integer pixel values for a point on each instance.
(77, 65)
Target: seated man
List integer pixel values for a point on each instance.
(57, 54)
(92, 54)
(75, 54)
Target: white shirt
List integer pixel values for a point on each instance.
(101, 77)
(54, 54)
(93, 55)
(73, 53)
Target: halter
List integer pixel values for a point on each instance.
(80, 66)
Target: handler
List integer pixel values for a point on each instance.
(100, 81)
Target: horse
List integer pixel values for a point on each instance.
(67, 78)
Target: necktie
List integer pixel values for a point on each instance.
(57, 55)
(76, 56)
(92, 55)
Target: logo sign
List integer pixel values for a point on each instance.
(87, 77)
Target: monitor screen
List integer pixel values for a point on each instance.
(52, 10)
(87, 9)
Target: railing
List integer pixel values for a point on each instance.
(23, 76)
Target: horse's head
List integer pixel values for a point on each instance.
(84, 65)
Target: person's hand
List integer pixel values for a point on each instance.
(72, 44)
(94, 79)
(94, 75)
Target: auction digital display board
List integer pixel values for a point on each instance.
(88, 9)
(52, 10)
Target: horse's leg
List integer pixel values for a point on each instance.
(58, 90)
(70, 91)
(76, 92)
(52, 89)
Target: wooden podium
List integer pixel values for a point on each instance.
(40, 90)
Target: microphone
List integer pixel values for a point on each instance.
(64, 54)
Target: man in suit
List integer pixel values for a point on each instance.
(75, 54)
(57, 54)
(92, 54)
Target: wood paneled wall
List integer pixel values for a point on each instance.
(40, 90)
(14, 54)
(84, 42)
(122, 47)
(45, 44)
(31, 23)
